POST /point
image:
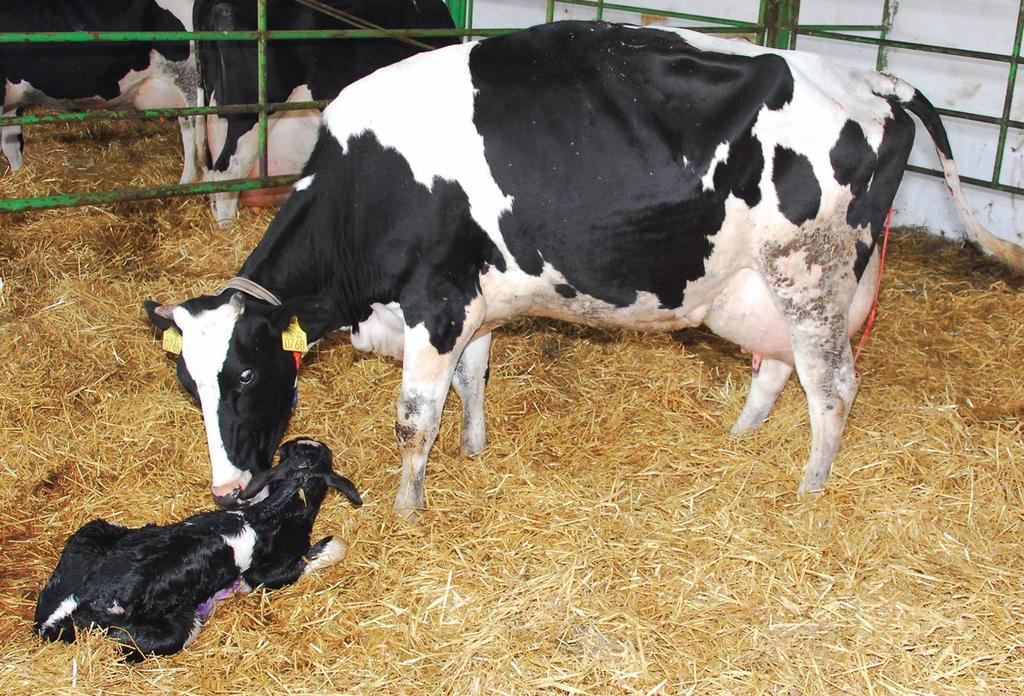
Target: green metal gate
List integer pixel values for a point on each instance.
(772, 23)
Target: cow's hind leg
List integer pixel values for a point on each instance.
(765, 386)
(811, 276)
(469, 381)
(426, 379)
(12, 142)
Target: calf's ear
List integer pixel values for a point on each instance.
(346, 487)
(160, 314)
(316, 315)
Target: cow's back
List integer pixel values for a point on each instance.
(83, 70)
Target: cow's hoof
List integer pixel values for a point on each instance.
(410, 515)
(472, 446)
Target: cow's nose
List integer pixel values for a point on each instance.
(227, 495)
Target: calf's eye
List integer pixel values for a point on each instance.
(245, 377)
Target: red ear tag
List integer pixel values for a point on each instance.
(298, 359)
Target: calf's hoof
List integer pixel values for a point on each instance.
(331, 550)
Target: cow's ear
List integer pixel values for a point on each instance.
(316, 316)
(161, 315)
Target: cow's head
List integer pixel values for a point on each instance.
(233, 363)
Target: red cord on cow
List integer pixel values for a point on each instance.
(297, 356)
(878, 287)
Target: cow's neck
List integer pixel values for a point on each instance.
(298, 258)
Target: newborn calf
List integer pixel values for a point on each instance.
(153, 588)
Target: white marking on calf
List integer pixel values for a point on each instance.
(242, 545)
(304, 183)
(115, 609)
(438, 88)
(206, 338)
(62, 611)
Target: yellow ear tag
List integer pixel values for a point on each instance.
(294, 338)
(172, 340)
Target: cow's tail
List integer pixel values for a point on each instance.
(916, 103)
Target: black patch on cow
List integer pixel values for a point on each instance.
(798, 189)
(871, 205)
(853, 160)
(389, 237)
(71, 71)
(566, 291)
(228, 68)
(601, 134)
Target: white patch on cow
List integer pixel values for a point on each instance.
(383, 332)
(62, 611)
(721, 156)
(333, 552)
(197, 626)
(115, 609)
(181, 9)
(206, 338)
(242, 545)
(437, 87)
(304, 183)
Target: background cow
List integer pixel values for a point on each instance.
(98, 75)
(611, 175)
(296, 71)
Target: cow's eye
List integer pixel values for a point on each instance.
(245, 377)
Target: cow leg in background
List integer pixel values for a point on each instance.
(190, 168)
(225, 203)
(13, 142)
(765, 387)
(469, 381)
(426, 379)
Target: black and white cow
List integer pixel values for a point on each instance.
(296, 71)
(598, 173)
(70, 76)
(154, 587)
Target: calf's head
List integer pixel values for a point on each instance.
(305, 464)
(233, 363)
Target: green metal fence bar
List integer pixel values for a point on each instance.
(120, 114)
(910, 45)
(883, 34)
(261, 85)
(67, 200)
(985, 183)
(242, 35)
(1011, 83)
(750, 26)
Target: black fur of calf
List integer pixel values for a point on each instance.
(153, 587)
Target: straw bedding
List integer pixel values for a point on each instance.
(613, 538)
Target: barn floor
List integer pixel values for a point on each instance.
(613, 538)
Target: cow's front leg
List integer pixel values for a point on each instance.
(189, 169)
(469, 381)
(12, 142)
(765, 386)
(426, 378)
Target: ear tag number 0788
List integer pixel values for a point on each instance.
(294, 338)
